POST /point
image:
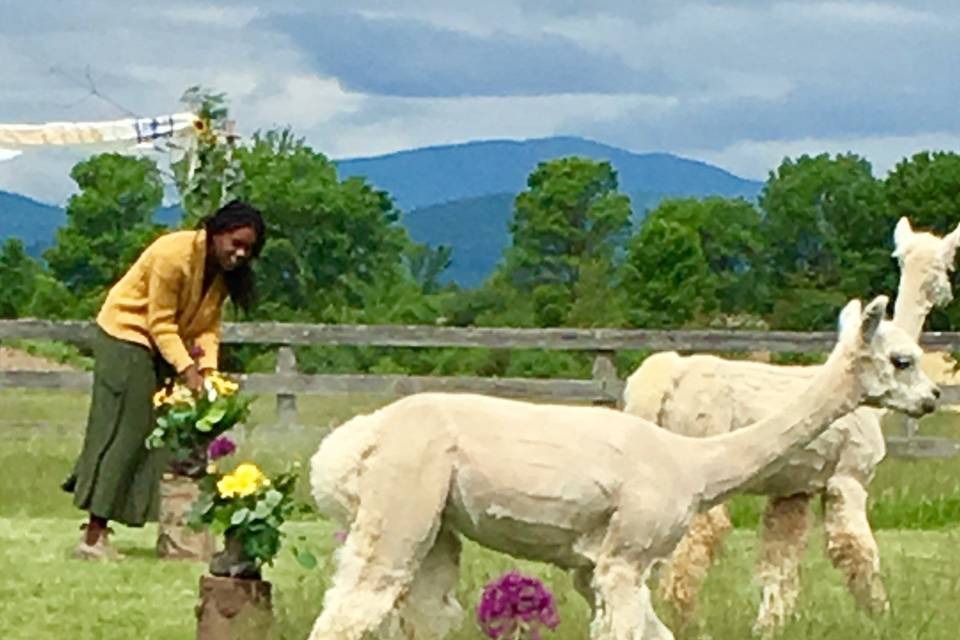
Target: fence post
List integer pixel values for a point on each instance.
(910, 426)
(286, 402)
(605, 372)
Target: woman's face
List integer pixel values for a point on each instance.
(234, 248)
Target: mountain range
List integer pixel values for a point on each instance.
(460, 194)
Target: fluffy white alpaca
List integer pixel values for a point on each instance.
(593, 490)
(705, 395)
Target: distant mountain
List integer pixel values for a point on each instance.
(36, 223)
(478, 230)
(33, 222)
(461, 195)
(436, 175)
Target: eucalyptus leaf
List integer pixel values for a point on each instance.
(239, 516)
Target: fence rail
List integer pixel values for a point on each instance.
(604, 387)
(293, 334)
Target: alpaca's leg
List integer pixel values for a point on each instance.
(430, 609)
(624, 610)
(850, 542)
(786, 522)
(653, 629)
(387, 542)
(684, 575)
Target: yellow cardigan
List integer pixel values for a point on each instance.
(157, 303)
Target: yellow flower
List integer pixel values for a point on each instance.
(249, 472)
(211, 468)
(244, 480)
(227, 486)
(160, 397)
(222, 385)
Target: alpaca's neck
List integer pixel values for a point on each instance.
(732, 460)
(913, 305)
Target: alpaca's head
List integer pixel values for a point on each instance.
(885, 360)
(926, 259)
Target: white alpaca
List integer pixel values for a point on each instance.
(704, 395)
(589, 489)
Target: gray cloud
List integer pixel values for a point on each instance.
(380, 75)
(404, 57)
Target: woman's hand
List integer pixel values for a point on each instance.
(192, 378)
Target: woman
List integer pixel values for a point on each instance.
(162, 317)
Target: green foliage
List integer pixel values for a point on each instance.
(51, 299)
(109, 222)
(666, 279)
(570, 219)
(691, 259)
(188, 421)
(18, 273)
(329, 240)
(427, 264)
(729, 231)
(207, 174)
(827, 228)
(60, 352)
(926, 189)
(248, 507)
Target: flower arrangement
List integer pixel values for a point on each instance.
(516, 606)
(248, 508)
(188, 422)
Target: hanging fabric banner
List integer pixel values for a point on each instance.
(132, 131)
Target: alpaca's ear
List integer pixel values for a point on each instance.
(901, 234)
(873, 315)
(950, 244)
(849, 321)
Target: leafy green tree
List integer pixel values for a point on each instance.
(570, 216)
(329, 240)
(51, 299)
(109, 222)
(427, 264)
(18, 273)
(666, 279)
(926, 189)
(827, 232)
(729, 238)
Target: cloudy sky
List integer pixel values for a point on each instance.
(740, 84)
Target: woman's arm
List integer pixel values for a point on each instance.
(163, 292)
(209, 344)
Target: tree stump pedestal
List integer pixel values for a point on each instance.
(176, 540)
(234, 609)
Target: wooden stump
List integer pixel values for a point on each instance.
(234, 609)
(175, 539)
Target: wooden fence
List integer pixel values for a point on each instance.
(604, 387)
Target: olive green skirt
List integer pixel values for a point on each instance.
(116, 476)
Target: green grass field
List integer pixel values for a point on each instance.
(44, 594)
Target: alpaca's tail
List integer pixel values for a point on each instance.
(336, 467)
(648, 387)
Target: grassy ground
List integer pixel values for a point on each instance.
(45, 595)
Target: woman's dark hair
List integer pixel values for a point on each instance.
(234, 215)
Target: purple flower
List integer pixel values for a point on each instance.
(515, 601)
(221, 446)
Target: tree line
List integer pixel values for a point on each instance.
(819, 233)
